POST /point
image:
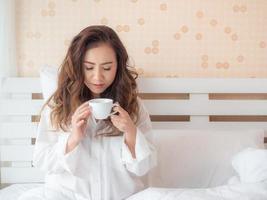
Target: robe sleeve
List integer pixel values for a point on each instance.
(145, 152)
(49, 151)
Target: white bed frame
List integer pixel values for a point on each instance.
(172, 102)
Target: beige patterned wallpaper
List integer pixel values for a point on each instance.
(164, 38)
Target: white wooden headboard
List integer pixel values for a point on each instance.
(172, 103)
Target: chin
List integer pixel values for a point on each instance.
(97, 92)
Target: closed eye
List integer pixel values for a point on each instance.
(88, 68)
(106, 68)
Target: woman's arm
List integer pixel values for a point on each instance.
(138, 152)
(50, 149)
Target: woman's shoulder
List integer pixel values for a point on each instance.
(138, 99)
(141, 105)
(48, 107)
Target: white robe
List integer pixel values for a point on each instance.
(99, 168)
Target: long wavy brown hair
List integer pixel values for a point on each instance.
(71, 90)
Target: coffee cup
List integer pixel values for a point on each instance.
(101, 108)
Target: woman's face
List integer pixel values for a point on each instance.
(100, 66)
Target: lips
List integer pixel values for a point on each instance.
(99, 85)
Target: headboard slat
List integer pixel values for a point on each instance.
(206, 107)
(163, 85)
(21, 85)
(20, 107)
(16, 152)
(18, 130)
(158, 107)
(202, 85)
(21, 175)
(211, 125)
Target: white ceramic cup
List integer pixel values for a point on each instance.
(101, 107)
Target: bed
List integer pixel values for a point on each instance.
(210, 121)
(256, 191)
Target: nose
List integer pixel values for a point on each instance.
(97, 75)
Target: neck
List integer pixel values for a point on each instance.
(96, 96)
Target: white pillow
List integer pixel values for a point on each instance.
(198, 158)
(48, 78)
(251, 165)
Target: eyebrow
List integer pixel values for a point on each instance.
(104, 63)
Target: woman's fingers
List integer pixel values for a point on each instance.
(84, 109)
(84, 115)
(80, 123)
(119, 109)
(82, 106)
(119, 122)
(81, 109)
(114, 120)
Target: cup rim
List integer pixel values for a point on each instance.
(104, 100)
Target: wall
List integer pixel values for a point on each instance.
(166, 38)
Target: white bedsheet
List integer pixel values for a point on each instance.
(14, 191)
(237, 191)
(253, 191)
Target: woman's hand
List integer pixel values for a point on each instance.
(78, 124)
(124, 123)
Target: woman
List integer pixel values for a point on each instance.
(84, 159)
